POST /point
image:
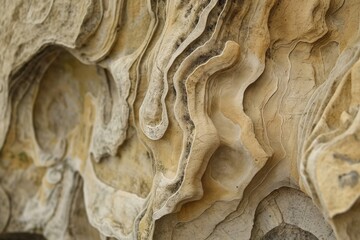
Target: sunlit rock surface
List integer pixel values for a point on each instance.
(152, 119)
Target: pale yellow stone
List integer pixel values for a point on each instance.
(210, 119)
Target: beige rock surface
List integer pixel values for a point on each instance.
(153, 119)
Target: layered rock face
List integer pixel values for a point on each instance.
(154, 119)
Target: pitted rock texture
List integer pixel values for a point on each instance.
(155, 119)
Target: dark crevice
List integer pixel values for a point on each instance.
(21, 236)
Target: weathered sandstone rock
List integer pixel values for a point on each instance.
(153, 119)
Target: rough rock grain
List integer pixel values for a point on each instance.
(154, 119)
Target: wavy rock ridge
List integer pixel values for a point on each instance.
(212, 119)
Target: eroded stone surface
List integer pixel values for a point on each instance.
(180, 119)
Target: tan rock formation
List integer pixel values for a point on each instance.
(152, 119)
